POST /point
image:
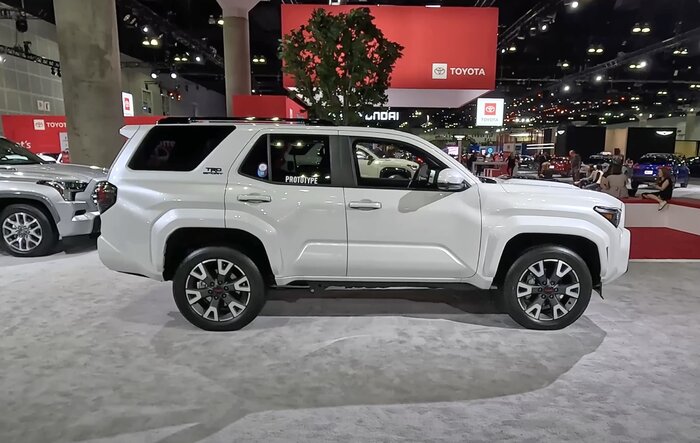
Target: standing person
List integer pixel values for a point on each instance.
(665, 188)
(511, 164)
(614, 182)
(470, 161)
(575, 165)
(539, 158)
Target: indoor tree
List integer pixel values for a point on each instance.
(341, 64)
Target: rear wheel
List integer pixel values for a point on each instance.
(27, 231)
(548, 287)
(218, 289)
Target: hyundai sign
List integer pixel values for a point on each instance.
(489, 112)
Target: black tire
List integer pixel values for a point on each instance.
(256, 286)
(531, 258)
(684, 185)
(49, 235)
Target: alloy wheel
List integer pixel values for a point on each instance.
(22, 231)
(548, 289)
(217, 290)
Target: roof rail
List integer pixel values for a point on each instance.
(301, 121)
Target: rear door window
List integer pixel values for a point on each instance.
(290, 159)
(177, 148)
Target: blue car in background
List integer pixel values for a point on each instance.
(647, 169)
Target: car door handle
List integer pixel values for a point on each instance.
(365, 205)
(254, 198)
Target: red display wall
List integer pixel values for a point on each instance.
(444, 48)
(262, 106)
(41, 134)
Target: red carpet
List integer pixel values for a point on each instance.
(664, 243)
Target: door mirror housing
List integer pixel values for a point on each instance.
(451, 180)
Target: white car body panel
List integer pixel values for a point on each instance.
(310, 233)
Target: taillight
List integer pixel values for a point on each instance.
(105, 196)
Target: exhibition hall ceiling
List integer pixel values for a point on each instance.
(594, 61)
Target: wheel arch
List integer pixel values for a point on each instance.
(514, 248)
(183, 241)
(48, 210)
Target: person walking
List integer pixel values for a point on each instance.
(511, 164)
(665, 189)
(575, 165)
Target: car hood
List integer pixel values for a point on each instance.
(557, 190)
(52, 171)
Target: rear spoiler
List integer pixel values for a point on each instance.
(128, 131)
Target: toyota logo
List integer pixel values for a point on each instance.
(439, 70)
(491, 109)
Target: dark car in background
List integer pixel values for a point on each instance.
(647, 169)
(694, 166)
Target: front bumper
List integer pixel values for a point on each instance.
(76, 218)
(618, 258)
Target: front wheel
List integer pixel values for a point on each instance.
(27, 231)
(548, 288)
(219, 289)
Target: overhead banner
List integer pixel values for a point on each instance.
(489, 112)
(47, 134)
(449, 55)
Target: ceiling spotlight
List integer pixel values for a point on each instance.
(503, 51)
(544, 27)
(198, 59)
(574, 5)
(565, 64)
(567, 88)
(146, 42)
(591, 50)
(646, 29)
(154, 75)
(598, 78)
(145, 29)
(173, 75)
(256, 60)
(642, 64)
(599, 51)
(220, 21)
(513, 48)
(636, 29)
(184, 59)
(155, 42)
(177, 58)
(662, 92)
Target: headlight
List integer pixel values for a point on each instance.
(613, 215)
(67, 188)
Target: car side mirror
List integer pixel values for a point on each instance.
(451, 180)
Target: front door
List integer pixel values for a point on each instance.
(405, 229)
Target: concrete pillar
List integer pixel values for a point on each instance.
(88, 45)
(236, 49)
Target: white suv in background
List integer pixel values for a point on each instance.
(226, 209)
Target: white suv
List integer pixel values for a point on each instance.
(226, 209)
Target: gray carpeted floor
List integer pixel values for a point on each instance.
(91, 355)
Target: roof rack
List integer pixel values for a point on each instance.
(300, 121)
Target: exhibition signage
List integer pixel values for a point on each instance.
(127, 104)
(48, 134)
(451, 67)
(489, 112)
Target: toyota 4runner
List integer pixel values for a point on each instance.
(228, 208)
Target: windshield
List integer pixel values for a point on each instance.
(655, 159)
(13, 154)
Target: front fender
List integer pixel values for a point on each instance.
(495, 240)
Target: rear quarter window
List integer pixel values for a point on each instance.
(177, 148)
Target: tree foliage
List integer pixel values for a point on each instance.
(341, 64)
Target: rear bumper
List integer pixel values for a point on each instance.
(115, 260)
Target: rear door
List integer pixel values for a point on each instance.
(284, 185)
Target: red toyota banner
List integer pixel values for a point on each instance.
(47, 134)
(444, 48)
